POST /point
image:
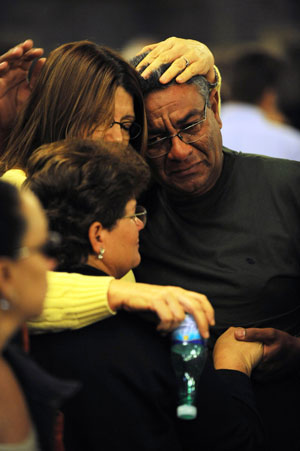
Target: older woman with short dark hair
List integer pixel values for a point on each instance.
(89, 191)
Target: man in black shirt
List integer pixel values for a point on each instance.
(228, 225)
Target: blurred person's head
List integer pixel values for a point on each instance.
(88, 190)
(289, 94)
(23, 257)
(184, 141)
(253, 73)
(84, 90)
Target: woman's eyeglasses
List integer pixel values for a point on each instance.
(140, 215)
(131, 129)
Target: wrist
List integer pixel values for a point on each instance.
(118, 293)
(113, 295)
(225, 363)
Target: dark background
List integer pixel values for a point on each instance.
(219, 23)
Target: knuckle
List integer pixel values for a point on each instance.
(204, 298)
(164, 58)
(180, 316)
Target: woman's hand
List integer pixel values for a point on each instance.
(179, 51)
(169, 303)
(229, 354)
(15, 86)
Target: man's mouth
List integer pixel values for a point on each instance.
(184, 171)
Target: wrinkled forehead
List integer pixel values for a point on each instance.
(174, 102)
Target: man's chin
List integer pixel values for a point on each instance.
(187, 190)
(189, 186)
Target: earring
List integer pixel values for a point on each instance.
(4, 305)
(101, 252)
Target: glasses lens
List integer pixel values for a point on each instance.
(158, 148)
(141, 214)
(192, 134)
(50, 248)
(135, 130)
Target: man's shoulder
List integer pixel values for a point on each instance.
(277, 171)
(252, 159)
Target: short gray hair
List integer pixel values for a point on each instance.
(153, 84)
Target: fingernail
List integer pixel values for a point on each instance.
(163, 79)
(240, 332)
(205, 334)
(179, 79)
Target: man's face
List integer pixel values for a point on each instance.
(189, 168)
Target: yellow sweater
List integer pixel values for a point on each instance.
(72, 300)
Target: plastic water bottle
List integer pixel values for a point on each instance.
(188, 352)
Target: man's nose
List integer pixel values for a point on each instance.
(179, 150)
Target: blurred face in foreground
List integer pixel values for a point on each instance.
(23, 280)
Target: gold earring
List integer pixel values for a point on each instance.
(101, 252)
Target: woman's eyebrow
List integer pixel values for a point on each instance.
(128, 117)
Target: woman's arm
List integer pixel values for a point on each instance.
(74, 301)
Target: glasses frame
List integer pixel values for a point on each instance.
(178, 135)
(46, 249)
(140, 215)
(123, 127)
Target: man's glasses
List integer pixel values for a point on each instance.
(139, 215)
(131, 129)
(48, 249)
(158, 146)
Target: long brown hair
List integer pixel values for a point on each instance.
(73, 94)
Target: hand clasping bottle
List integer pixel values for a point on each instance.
(188, 352)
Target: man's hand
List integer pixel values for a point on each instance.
(179, 51)
(15, 85)
(281, 351)
(229, 353)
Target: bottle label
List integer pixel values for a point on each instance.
(187, 331)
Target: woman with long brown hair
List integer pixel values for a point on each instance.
(75, 96)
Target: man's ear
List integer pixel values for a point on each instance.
(214, 99)
(96, 236)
